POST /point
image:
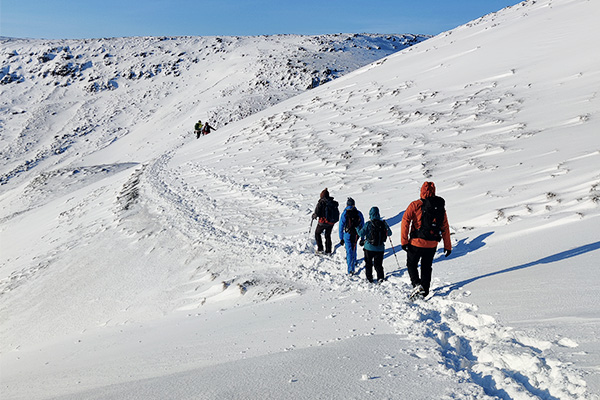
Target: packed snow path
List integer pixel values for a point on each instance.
(210, 210)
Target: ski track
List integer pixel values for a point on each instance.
(470, 346)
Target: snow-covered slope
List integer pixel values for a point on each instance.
(161, 266)
(72, 97)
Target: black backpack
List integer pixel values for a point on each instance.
(332, 213)
(352, 220)
(433, 212)
(377, 233)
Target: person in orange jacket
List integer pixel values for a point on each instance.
(420, 236)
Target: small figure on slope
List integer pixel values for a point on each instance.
(328, 214)
(207, 128)
(350, 221)
(375, 231)
(198, 129)
(424, 225)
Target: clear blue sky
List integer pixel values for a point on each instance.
(78, 19)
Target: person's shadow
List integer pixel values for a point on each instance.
(462, 248)
(466, 246)
(395, 220)
(447, 289)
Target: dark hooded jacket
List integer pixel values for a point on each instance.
(320, 208)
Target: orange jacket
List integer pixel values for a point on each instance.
(412, 221)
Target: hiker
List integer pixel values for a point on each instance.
(375, 231)
(206, 129)
(198, 129)
(328, 214)
(350, 221)
(424, 224)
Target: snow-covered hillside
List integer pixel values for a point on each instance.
(139, 262)
(72, 97)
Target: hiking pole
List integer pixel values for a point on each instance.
(311, 222)
(394, 250)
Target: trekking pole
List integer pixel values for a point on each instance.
(311, 223)
(393, 250)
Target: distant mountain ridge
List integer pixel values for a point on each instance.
(225, 79)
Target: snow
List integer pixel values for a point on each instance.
(140, 262)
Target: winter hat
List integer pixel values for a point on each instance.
(325, 194)
(350, 202)
(427, 190)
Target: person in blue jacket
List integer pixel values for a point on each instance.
(375, 231)
(350, 221)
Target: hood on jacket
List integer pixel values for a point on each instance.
(427, 190)
(374, 213)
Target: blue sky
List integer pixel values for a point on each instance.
(78, 19)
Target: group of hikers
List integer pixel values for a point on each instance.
(424, 225)
(201, 129)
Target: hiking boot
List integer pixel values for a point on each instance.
(417, 293)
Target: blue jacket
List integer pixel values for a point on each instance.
(366, 229)
(342, 222)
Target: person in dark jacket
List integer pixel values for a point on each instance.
(421, 249)
(324, 226)
(350, 220)
(206, 129)
(374, 251)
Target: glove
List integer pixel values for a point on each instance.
(342, 242)
(362, 242)
(314, 216)
(447, 252)
(405, 247)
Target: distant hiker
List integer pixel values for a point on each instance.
(206, 129)
(198, 129)
(350, 221)
(375, 231)
(424, 224)
(328, 214)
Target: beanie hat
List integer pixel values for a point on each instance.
(350, 202)
(325, 194)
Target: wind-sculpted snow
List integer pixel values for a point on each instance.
(69, 96)
(473, 348)
(138, 261)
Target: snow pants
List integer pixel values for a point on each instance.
(374, 259)
(425, 255)
(350, 242)
(323, 228)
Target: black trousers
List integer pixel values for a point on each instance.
(320, 229)
(374, 259)
(425, 255)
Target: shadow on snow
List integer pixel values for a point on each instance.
(462, 248)
(447, 289)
